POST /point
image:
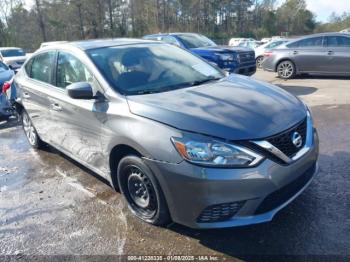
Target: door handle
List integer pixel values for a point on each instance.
(295, 52)
(26, 95)
(330, 52)
(56, 107)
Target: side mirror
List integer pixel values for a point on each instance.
(80, 90)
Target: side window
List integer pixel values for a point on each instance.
(41, 67)
(338, 41)
(294, 45)
(170, 40)
(71, 70)
(311, 42)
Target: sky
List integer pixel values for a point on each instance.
(324, 8)
(321, 8)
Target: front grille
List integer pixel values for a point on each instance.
(285, 193)
(284, 141)
(220, 212)
(246, 56)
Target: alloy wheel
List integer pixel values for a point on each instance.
(285, 69)
(29, 130)
(259, 61)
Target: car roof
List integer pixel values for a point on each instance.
(175, 33)
(100, 43)
(325, 34)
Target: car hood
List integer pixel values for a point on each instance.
(222, 48)
(234, 108)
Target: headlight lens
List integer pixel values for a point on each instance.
(226, 57)
(215, 153)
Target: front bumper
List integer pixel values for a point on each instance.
(190, 189)
(246, 70)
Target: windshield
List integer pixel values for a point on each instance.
(195, 41)
(3, 67)
(12, 52)
(151, 68)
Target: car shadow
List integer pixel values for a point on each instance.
(298, 90)
(9, 123)
(317, 77)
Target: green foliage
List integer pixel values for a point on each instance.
(52, 20)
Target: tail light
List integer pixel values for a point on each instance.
(6, 86)
(268, 53)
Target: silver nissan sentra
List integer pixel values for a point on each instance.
(182, 141)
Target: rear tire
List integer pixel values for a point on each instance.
(259, 61)
(142, 192)
(286, 69)
(30, 131)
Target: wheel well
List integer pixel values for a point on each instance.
(117, 153)
(282, 60)
(19, 108)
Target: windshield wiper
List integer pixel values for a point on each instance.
(177, 86)
(200, 82)
(145, 92)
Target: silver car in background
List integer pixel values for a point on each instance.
(322, 54)
(182, 141)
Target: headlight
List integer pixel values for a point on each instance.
(312, 122)
(215, 153)
(226, 57)
(309, 113)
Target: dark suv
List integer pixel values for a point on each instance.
(238, 60)
(326, 54)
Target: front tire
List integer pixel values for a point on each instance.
(286, 69)
(142, 192)
(30, 132)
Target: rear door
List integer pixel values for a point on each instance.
(309, 55)
(77, 121)
(338, 51)
(34, 87)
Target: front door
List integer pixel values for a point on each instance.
(78, 121)
(309, 55)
